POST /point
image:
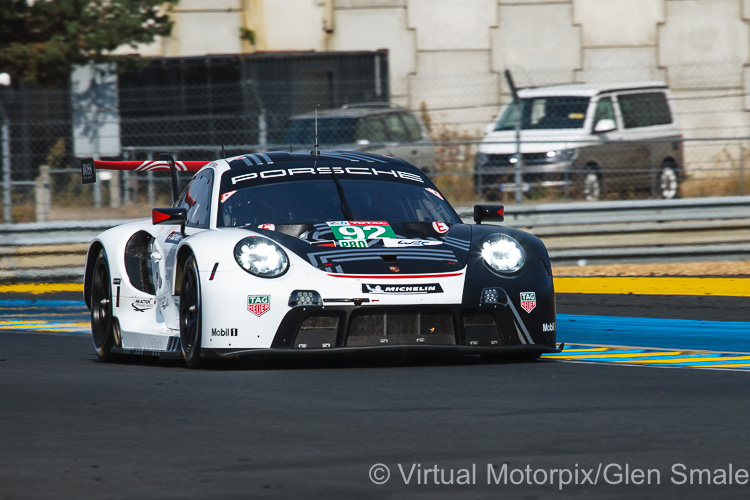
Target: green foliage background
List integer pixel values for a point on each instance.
(41, 41)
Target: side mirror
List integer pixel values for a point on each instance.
(604, 125)
(489, 212)
(171, 215)
(488, 129)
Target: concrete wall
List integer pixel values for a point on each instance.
(448, 56)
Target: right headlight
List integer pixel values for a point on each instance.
(503, 253)
(261, 256)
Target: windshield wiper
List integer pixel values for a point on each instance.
(344, 204)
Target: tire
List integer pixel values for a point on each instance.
(102, 319)
(591, 185)
(668, 182)
(191, 314)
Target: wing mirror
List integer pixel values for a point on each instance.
(489, 212)
(605, 125)
(171, 215)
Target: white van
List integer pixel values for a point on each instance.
(586, 140)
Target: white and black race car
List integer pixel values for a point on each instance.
(324, 251)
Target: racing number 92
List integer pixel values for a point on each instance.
(364, 232)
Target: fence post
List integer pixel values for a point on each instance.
(7, 199)
(115, 193)
(42, 194)
(742, 167)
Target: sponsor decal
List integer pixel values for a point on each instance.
(440, 227)
(528, 301)
(270, 227)
(87, 172)
(353, 243)
(395, 242)
(141, 305)
(361, 230)
(407, 289)
(223, 332)
(225, 196)
(174, 237)
(258, 304)
(435, 192)
(548, 327)
(290, 172)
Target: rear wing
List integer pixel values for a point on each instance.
(167, 163)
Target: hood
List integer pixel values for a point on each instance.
(406, 248)
(534, 141)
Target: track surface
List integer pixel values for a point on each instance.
(73, 427)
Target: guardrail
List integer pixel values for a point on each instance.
(602, 232)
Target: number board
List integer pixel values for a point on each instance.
(361, 230)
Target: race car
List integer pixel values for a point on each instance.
(318, 251)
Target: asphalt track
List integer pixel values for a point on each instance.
(72, 427)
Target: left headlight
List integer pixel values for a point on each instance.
(502, 253)
(261, 256)
(562, 155)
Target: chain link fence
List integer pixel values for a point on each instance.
(438, 123)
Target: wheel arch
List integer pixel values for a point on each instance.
(670, 161)
(183, 254)
(96, 247)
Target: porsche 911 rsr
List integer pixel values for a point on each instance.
(326, 251)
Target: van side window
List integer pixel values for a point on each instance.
(643, 110)
(395, 128)
(604, 110)
(371, 128)
(412, 127)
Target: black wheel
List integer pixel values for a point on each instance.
(668, 182)
(190, 314)
(591, 185)
(102, 321)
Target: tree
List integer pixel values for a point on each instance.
(40, 40)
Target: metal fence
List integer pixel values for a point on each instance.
(40, 179)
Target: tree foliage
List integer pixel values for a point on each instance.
(41, 39)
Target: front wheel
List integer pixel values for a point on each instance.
(191, 314)
(668, 182)
(102, 319)
(592, 185)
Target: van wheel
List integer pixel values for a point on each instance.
(668, 182)
(592, 185)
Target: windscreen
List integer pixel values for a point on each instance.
(316, 198)
(550, 112)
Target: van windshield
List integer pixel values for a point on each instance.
(550, 112)
(331, 130)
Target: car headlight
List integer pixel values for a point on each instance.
(261, 256)
(503, 253)
(561, 155)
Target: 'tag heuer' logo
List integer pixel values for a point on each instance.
(528, 301)
(258, 304)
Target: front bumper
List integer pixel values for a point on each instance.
(500, 175)
(480, 328)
